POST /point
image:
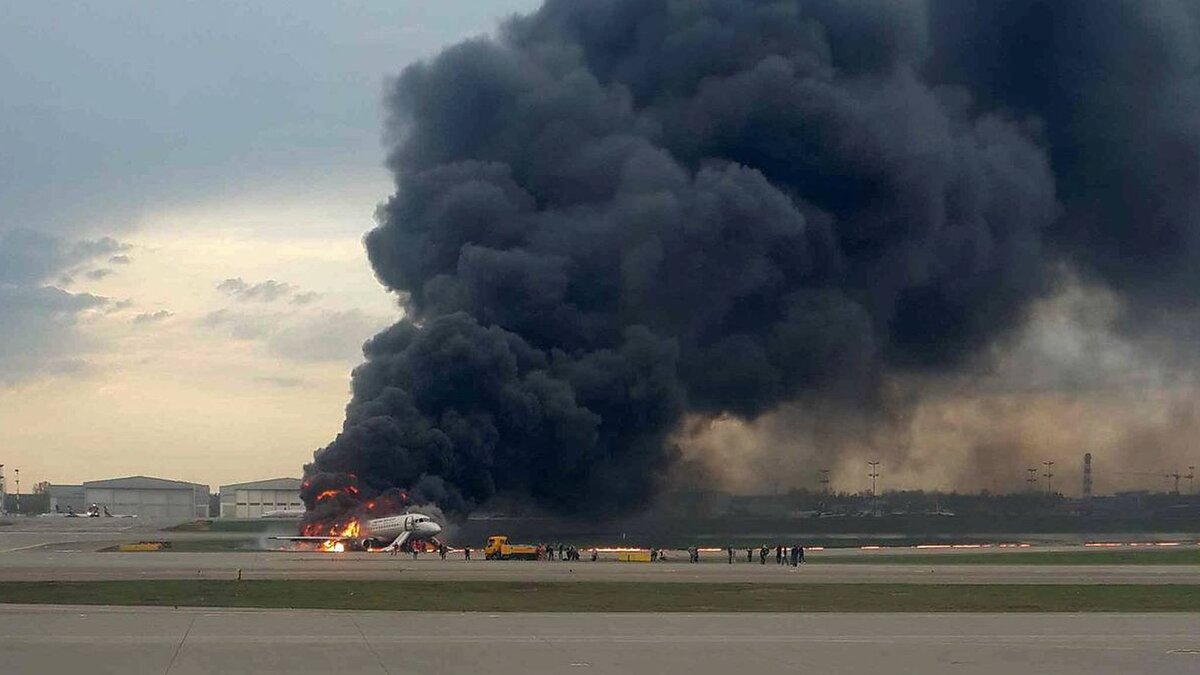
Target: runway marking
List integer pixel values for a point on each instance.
(371, 647)
(179, 646)
(26, 548)
(1063, 642)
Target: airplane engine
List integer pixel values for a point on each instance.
(371, 543)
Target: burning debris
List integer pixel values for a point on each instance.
(618, 213)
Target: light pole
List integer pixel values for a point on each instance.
(874, 474)
(823, 478)
(17, 477)
(1032, 480)
(1049, 477)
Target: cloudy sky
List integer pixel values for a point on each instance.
(183, 192)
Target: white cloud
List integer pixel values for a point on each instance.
(39, 332)
(264, 291)
(39, 322)
(153, 317)
(329, 336)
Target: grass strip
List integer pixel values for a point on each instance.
(1189, 556)
(487, 596)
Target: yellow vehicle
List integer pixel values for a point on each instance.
(498, 548)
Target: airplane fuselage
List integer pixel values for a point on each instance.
(390, 532)
(388, 528)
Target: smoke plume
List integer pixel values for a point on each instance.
(621, 220)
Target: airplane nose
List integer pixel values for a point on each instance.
(434, 528)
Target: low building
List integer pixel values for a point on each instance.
(252, 500)
(64, 498)
(146, 497)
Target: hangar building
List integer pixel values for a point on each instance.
(147, 497)
(252, 500)
(64, 497)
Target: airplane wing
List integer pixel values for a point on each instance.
(311, 538)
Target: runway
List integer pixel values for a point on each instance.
(40, 565)
(35, 640)
(66, 550)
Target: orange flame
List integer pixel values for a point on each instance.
(335, 532)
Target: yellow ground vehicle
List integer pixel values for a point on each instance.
(498, 548)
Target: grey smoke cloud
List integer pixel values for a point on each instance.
(617, 216)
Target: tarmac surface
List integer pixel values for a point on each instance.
(87, 566)
(42, 639)
(61, 549)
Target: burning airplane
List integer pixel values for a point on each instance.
(375, 534)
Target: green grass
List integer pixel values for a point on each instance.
(486, 596)
(1188, 556)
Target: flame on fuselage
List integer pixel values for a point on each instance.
(335, 531)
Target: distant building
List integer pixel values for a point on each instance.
(252, 500)
(66, 497)
(145, 497)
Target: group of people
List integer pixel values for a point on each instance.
(547, 552)
(784, 555)
(442, 551)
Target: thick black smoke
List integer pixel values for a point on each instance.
(618, 212)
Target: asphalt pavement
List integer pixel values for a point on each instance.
(62, 549)
(35, 640)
